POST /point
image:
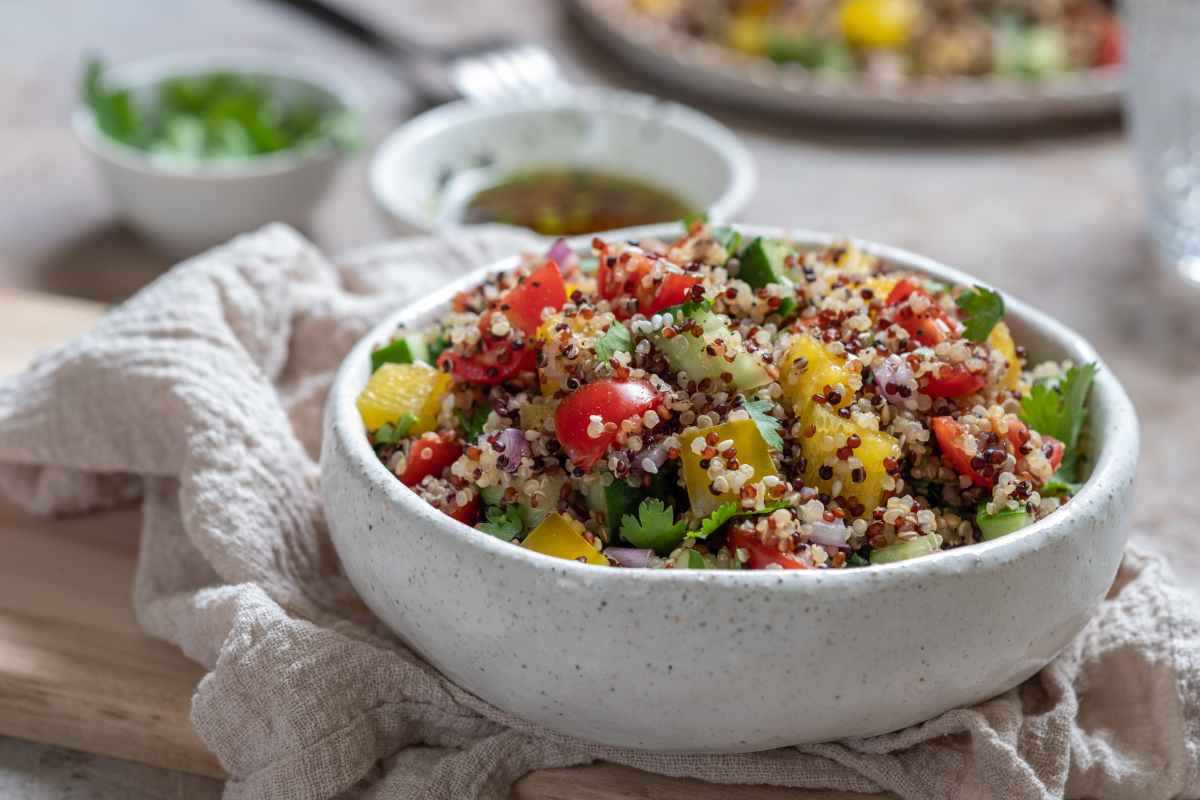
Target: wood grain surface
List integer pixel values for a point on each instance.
(76, 670)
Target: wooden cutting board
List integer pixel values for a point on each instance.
(77, 671)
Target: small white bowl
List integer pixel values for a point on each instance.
(422, 174)
(728, 661)
(186, 207)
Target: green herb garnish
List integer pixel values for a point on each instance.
(725, 512)
(503, 523)
(392, 432)
(983, 309)
(695, 560)
(768, 426)
(654, 527)
(693, 217)
(217, 115)
(1060, 411)
(617, 339)
(472, 422)
(436, 347)
(691, 308)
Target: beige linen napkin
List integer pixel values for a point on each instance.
(202, 396)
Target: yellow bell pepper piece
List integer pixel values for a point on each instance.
(823, 369)
(751, 449)
(1001, 339)
(886, 24)
(830, 434)
(398, 389)
(561, 537)
(747, 34)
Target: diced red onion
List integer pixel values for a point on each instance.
(629, 556)
(515, 447)
(656, 455)
(560, 251)
(893, 369)
(831, 534)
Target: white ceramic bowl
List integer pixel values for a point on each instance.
(423, 174)
(713, 661)
(185, 208)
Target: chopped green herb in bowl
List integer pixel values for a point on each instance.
(218, 114)
(196, 148)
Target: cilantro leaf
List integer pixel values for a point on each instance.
(693, 217)
(1060, 411)
(392, 432)
(689, 309)
(729, 239)
(695, 560)
(983, 308)
(768, 426)
(472, 422)
(725, 512)
(439, 344)
(655, 527)
(617, 339)
(503, 523)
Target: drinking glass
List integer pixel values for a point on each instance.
(1162, 100)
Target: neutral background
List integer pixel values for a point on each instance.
(1054, 217)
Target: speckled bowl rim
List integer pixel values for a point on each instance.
(656, 47)
(387, 187)
(1113, 466)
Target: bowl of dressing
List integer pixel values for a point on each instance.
(560, 164)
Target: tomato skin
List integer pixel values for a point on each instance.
(543, 288)
(947, 429)
(430, 457)
(674, 290)
(760, 554)
(498, 363)
(468, 514)
(1111, 50)
(952, 381)
(613, 401)
(929, 327)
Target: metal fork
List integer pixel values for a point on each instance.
(488, 70)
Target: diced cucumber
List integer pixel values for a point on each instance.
(729, 238)
(405, 350)
(902, 551)
(695, 560)
(762, 262)
(1001, 523)
(552, 487)
(689, 354)
(1045, 52)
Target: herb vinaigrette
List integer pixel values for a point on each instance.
(568, 202)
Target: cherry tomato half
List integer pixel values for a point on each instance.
(929, 327)
(498, 363)
(948, 432)
(468, 514)
(543, 288)
(675, 289)
(611, 401)
(430, 456)
(760, 554)
(952, 381)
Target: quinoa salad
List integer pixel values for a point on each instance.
(895, 41)
(721, 401)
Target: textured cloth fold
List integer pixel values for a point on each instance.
(202, 396)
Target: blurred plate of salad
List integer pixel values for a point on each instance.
(211, 115)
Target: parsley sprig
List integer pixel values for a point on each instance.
(503, 523)
(392, 432)
(983, 309)
(768, 426)
(654, 527)
(1060, 411)
(617, 339)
